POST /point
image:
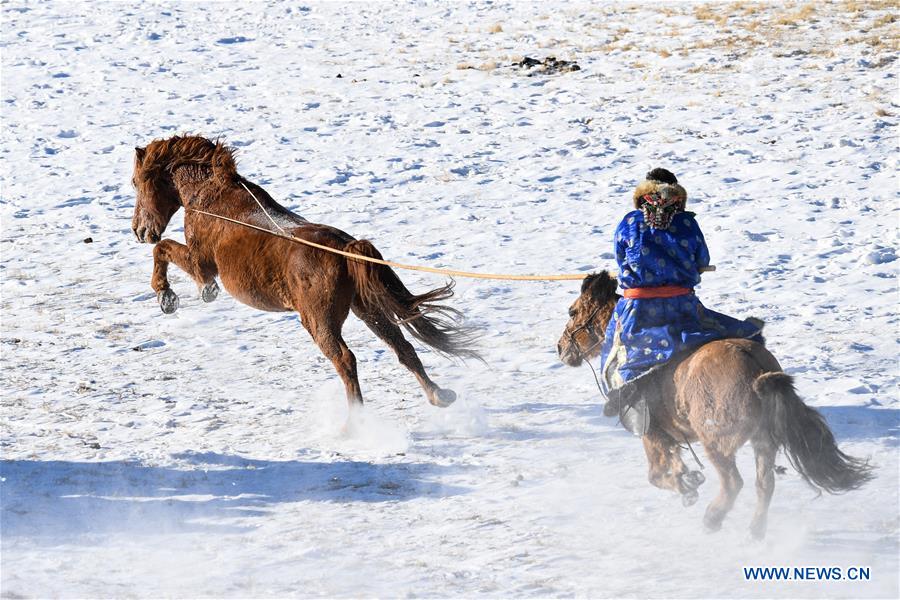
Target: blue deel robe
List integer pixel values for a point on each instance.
(645, 333)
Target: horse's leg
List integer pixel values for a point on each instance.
(170, 251)
(389, 332)
(667, 470)
(765, 452)
(688, 480)
(326, 332)
(658, 448)
(730, 486)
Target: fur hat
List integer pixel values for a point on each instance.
(662, 182)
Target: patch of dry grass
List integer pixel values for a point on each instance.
(489, 65)
(804, 14)
(877, 43)
(742, 28)
(705, 12)
(747, 8)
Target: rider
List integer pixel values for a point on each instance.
(661, 252)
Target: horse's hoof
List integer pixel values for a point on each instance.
(168, 301)
(689, 498)
(443, 398)
(693, 479)
(210, 291)
(711, 527)
(758, 532)
(712, 524)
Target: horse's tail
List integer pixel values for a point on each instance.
(422, 315)
(805, 437)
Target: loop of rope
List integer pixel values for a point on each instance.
(451, 272)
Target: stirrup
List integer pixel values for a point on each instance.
(636, 417)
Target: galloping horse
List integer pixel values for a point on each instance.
(723, 394)
(274, 274)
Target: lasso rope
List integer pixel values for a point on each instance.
(451, 272)
(281, 233)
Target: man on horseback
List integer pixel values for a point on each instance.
(661, 252)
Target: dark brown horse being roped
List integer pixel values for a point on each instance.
(724, 394)
(274, 274)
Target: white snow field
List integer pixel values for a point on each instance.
(200, 454)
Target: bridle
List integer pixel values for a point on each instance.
(588, 326)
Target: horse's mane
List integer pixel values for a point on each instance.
(167, 155)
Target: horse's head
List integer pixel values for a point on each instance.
(588, 317)
(156, 198)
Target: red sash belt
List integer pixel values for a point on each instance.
(663, 291)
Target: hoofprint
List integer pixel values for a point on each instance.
(149, 455)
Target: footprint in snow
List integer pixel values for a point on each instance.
(149, 345)
(881, 256)
(233, 40)
(757, 237)
(861, 347)
(75, 202)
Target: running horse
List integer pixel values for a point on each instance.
(722, 395)
(274, 274)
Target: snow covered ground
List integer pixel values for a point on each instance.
(200, 454)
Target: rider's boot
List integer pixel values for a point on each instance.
(631, 406)
(635, 417)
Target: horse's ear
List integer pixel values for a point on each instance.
(139, 154)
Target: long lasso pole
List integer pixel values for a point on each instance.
(396, 265)
(451, 272)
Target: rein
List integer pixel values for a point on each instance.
(589, 326)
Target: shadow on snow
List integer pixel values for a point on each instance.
(58, 500)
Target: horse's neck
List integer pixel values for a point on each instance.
(188, 179)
